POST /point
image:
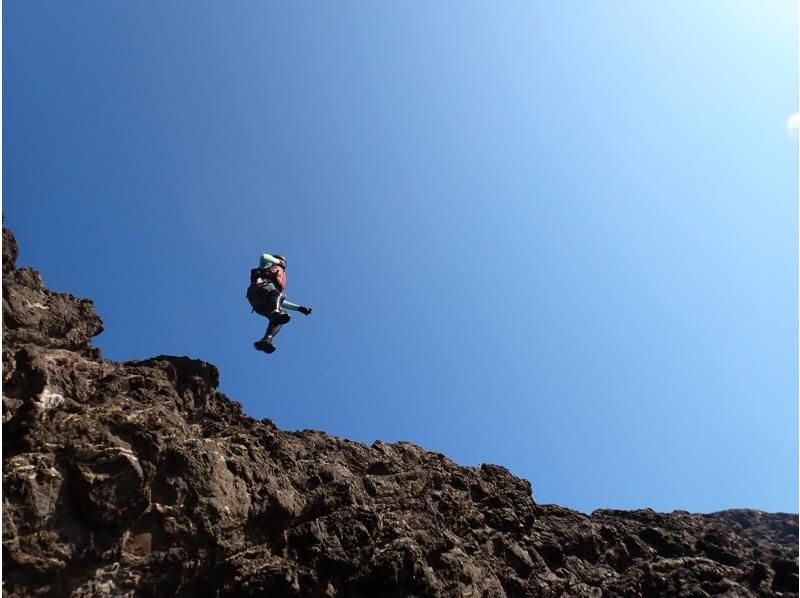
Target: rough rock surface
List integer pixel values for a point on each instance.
(141, 479)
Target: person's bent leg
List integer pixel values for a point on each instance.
(277, 315)
(273, 303)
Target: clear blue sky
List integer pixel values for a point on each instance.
(558, 238)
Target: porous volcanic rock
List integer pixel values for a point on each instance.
(141, 479)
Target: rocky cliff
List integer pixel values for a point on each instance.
(141, 479)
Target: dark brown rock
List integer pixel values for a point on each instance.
(142, 479)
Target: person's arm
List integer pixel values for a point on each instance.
(267, 260)
(293, 306)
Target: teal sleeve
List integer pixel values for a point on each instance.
(267, 260)
(290, 305)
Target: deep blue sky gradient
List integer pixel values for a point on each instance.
(562, 238)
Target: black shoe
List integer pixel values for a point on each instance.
(265, 345)
(279, 318)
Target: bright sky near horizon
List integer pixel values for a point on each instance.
(558, 238)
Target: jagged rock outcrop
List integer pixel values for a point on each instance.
(141, 479)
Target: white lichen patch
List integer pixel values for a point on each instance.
(48, 400)
(18, 464)
(37, 305)
(111, 453)
(122, 451)
(129, 455)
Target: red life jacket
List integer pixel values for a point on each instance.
(277, 275)
(274, 273)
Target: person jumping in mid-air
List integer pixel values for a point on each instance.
(265, 294)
